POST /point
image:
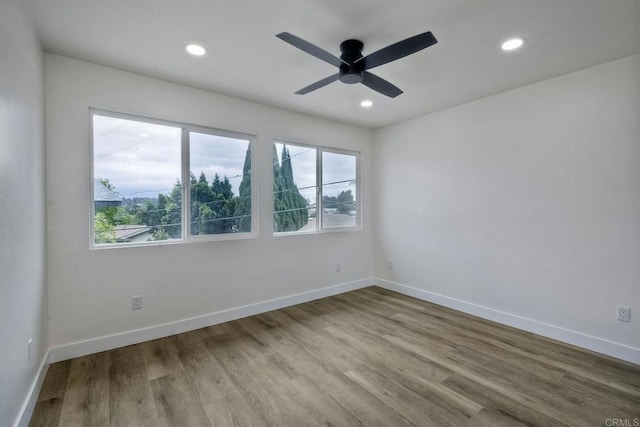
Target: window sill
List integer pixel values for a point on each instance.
(189, 240)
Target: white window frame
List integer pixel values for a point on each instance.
(319, 226)
(185, 179)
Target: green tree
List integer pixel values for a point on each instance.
(171, 219)
(205, 220)
(243, 205)
(201, 196)
(160, 234)
(223, 205)
(103, 229)
(107, 218)
(106, 183)
(329, 202)
(344, 202)
(291, 209)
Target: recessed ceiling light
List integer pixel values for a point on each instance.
(512, 44)
(196, 49)
(144, 135)
(366, 103)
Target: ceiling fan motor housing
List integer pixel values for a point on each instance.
(351, 72)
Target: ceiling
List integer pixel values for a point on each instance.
(244, 58)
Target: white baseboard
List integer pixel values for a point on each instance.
(600, 345)
(110, 342)
(26, 411)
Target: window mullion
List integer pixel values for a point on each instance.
(186, 186)
(319, 190)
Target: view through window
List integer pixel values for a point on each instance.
(138, 174)
(300, 204)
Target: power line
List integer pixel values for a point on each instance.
(133, 145)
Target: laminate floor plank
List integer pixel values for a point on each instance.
(316, 404)
(497, 408)
(160, 357)
(232, 410)
(370, 357)
(209, 379)
(46, 412)
(130, 397)
(569, 406)
(254, 386)
(480, 328)
(396, 396)
(177, 402)
(314, 342)
(621, 402)
(266, 360)
(126, 367)
(365, 407)
(132, 406)
(86, 399)
(389, 357)
(55, 381)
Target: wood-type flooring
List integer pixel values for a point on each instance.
(368, 357)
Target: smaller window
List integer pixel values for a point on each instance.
(314, 189)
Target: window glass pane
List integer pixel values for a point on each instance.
(136, 172)
(294, 188)
(339, 198)
(220, 174)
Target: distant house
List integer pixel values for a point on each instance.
(104, 197)
(132, 233)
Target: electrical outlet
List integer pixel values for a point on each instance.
(390, 266)
(136, 302)
(338, 268)
(624, 314)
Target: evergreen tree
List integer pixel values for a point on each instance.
(291, 209)
(201, 196)
(206, 217)
(147, 214)
(213, 209)
(169, 212)
(223, 205)
(243, 206)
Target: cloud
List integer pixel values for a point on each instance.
(144, 159)
(336, 167)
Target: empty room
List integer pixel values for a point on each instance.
(312, 212)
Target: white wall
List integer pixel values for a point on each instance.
(90, 291)
(526, 204)
(23, 296)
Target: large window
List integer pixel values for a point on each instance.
(156, 181)
(314, 189)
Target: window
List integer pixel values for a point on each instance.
(142, 169)
(314, 189)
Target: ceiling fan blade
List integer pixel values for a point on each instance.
(398, 50)
(310, 49)
(318, 84)
(380, 85)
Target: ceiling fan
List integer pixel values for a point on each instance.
(353, 65)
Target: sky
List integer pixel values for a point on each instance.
(143, 159)
(335, 168)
